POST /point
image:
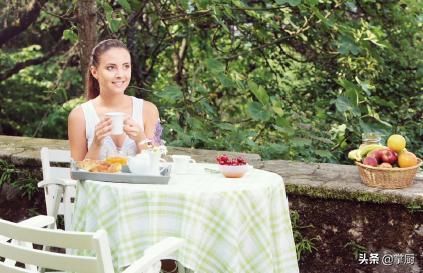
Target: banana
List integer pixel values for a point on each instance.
(360, 153)
(363, 151)
(354, 155)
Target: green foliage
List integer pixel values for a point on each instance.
(27, 187)
(415, 208)
(302, 244)
(55, 124)
(6, 173)
(298, 80)
(20, 180)
(311, 109)
(34, 101)
(355, 248)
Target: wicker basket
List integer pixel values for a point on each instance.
(386, 178)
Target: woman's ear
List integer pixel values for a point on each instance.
(93, 71)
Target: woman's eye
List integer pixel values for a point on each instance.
(127, 66)
(109, 68)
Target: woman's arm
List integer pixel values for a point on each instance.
(76, 134)
(134, 130)
(150, 117)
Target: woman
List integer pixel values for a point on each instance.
(89, 130)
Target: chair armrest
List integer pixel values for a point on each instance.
(154, 254)
(38, 221)
(57, 181)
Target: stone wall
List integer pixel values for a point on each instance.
(341, 217)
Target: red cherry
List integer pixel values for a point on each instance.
(226, 160)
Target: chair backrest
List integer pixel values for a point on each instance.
(91, 251)
(54, 155)
(95, 243)
(59, 197)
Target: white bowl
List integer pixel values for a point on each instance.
(230, 171)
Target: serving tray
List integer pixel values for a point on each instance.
(125, 176)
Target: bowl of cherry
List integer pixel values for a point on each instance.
(232, 167)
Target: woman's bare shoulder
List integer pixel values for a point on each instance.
(150, 107)
(76, 114)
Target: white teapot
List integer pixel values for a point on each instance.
(146, 163)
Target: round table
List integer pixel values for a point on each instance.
(230, 225)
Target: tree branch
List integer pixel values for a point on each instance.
(32, 11)
(178, 62)
(73, 19)
(22, 65)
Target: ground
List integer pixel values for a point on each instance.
(341, 230)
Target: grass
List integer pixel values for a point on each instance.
(303, 245)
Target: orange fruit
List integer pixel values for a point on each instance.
(407, 159)
(396, 143)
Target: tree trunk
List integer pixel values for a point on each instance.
(178, 62)
(87, 32)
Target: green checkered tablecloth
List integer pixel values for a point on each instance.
(230, 225)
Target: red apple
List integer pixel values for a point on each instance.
(376, 154)
(371, 161)
(389, 156)
(385, 165)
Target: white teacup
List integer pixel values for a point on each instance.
(139, 164)
(145, 163)
(117, 122)
(181, 163)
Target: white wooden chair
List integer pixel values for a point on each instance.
(16, 241)
(59, 188)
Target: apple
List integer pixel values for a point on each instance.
(389, 156)
(371, 161)
(385, 165)
(376, 154)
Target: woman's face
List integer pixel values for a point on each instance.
(113, 71)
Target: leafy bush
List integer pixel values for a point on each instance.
(34, 100)
(297, 80)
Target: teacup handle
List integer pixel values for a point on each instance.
(192, 161)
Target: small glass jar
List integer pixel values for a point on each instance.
(370, 138)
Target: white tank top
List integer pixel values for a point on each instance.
(129, 146)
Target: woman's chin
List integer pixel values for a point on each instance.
(118, 90)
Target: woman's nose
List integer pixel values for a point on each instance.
(118, 73)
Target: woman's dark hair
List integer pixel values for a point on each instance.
(93, 88)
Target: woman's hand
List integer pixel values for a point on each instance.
(133, 130)
(102, 129)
